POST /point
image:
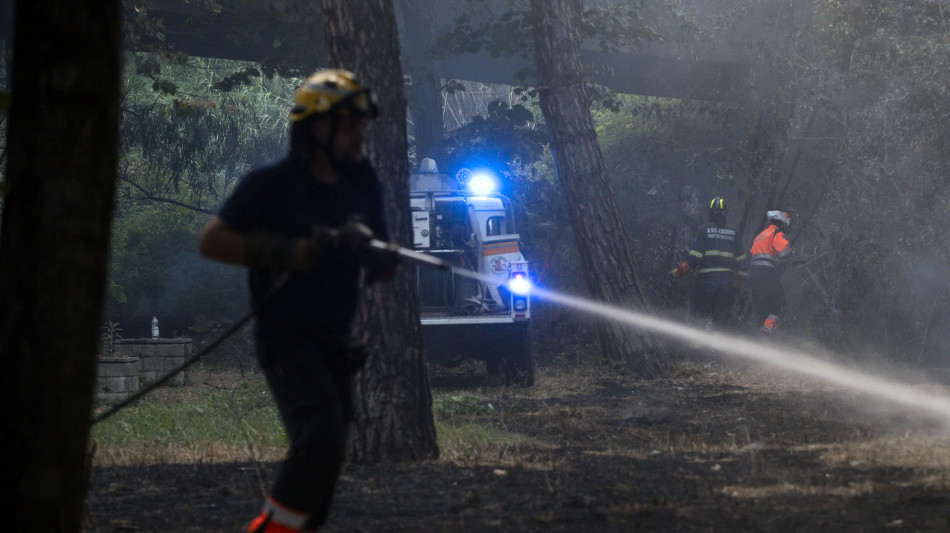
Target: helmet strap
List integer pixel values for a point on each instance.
(342, 167)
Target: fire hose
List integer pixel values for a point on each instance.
(280, 284)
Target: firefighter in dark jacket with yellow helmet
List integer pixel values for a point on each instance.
(310, 216)
(718, 258)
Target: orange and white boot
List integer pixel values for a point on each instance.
(770, 324)
(276, 518)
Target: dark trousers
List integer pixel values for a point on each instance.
(768, 296)
(713, 298)
(310, 382)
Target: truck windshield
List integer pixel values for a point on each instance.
(495, 226)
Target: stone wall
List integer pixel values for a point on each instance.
(140, 361)
(158, 357)
(117, 378)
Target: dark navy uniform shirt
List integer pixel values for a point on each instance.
(717, 253)
(284, 198)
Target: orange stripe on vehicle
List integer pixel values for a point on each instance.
(499, 251)
(496, 248)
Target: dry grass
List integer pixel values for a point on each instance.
(593, 448)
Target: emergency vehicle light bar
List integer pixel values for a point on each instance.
(482, 183)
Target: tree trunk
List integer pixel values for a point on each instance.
(393, 404)
(425, 102)
(63, 146)
(598, 232)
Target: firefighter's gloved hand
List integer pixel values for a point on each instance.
(354, 236)
(681, 270)
(380, 263)
(266, 249)
(739, 279)
(321, 240)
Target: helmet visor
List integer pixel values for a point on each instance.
(359, 103)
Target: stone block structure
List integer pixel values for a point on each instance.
(117, 378)
(158, 356)
(140, 361)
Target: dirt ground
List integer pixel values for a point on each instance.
(709, 449)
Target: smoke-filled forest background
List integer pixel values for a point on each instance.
(850, 138)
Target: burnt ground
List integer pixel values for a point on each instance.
(709, 449)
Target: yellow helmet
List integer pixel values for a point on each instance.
(332, 91)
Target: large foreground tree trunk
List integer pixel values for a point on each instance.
(63, 145)
(598, 231)
(393, 415)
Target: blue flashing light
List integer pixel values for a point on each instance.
(482, 183)
(519, 283)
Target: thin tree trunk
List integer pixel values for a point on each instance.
(393, 409)
(426, 91)
(598, 232)
(63, 140)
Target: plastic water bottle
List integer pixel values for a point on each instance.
(154, 327)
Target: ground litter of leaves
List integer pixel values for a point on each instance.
(709, 448)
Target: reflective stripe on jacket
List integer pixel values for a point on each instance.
(770, 247)
(716, 249)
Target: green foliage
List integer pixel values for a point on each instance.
(190, 148)
(207, 417)
(111, 334)
(294, 54)
(889, 166)
(506, 133)
(155, 266)
(503, 28)
(181, 156)
(452, 405)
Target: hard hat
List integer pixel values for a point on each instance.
(428, 166)
(332, 91)
(779, 217)
(718, 206)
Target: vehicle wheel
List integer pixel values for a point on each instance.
(493, 365)
(518, 364)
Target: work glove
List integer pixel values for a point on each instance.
(321, 240)
(266, 249)
(380, 264)
(353, 236)
(739, 279)
(681, 270)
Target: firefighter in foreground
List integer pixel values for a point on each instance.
(717, 257)
(770, 253)
(311, 215)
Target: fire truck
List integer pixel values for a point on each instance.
(480, 308)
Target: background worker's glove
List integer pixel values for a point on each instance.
(681, 270)
(739, 278)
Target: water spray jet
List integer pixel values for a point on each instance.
(792, 360)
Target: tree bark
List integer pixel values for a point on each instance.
(598, 231)
(63, 146)
(425, 102)
(393, 404)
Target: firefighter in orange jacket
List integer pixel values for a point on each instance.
(717, 257)
(770, 252)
